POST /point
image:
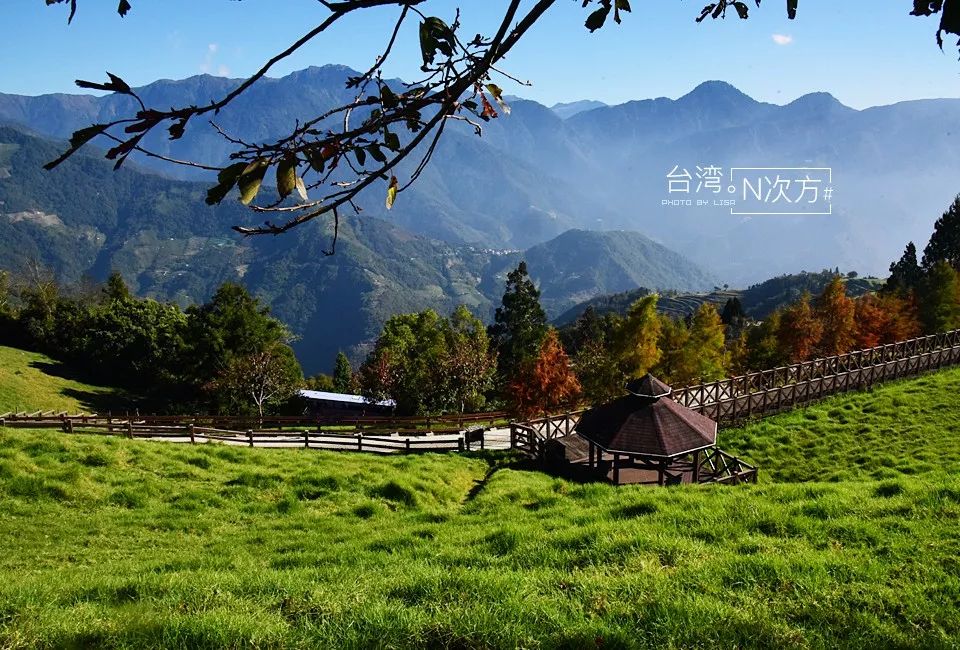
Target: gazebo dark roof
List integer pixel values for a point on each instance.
(648, 386)
(646, 423)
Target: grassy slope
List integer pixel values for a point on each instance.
(122, 543)
(27, 383)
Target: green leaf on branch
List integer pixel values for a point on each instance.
(375, 151)
(392, 141)
(387, 98)
(618, 6)
(226, 180)
(435, 36)
(287, 176)
(596, 20)
(392, 191)
(250, 180)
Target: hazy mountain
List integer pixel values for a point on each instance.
(533, 175)
(569, 109)
(84, 219)
(579, 265)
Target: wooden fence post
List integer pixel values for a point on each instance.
(69, 425)
(359, 442)
(250, 436)
(129, 429)
(306, 440)
(460, 444)
(193, 434)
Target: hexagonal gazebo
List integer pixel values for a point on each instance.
(645, 437)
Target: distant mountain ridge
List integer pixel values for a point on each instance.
(566, 110)
(533, 175)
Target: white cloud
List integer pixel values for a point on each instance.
(782, 39)
(210, 64)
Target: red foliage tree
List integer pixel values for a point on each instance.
(885, 318)
(836, 310)
(546, 384)
(800, 331)
(904, 318)
(872, 321)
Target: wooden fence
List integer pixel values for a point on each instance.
(759, 394)
(531, 437)
(436, 441)
(359, 424)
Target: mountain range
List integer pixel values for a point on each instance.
(84, 219)
(541, 171)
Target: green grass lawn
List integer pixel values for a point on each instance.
(119, 543)
(30, 381)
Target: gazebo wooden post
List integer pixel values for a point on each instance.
(590, 455)
(696, 467)
(660, 472)
(616, 468)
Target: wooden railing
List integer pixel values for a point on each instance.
(758, 394)
(531, 437)
(369, 424)
(440, 440)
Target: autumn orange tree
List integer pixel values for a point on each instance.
(836, 312)
(546, 384)
(800, 330)
(885, 318)
(326, 161)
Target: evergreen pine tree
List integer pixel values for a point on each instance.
(733, 313)
(116, 288)
(905, 274)
(944, 244)
(342, 374)
(938, 299)
(519, 324)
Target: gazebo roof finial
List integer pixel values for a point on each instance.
(649, 387)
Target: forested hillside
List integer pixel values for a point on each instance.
(84, 219)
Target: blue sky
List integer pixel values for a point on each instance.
(863, 60)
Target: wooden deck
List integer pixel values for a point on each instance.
(569, 456)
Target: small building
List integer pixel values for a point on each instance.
(322, 403)
(645, 437)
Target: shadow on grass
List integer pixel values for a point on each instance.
(107, 399)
